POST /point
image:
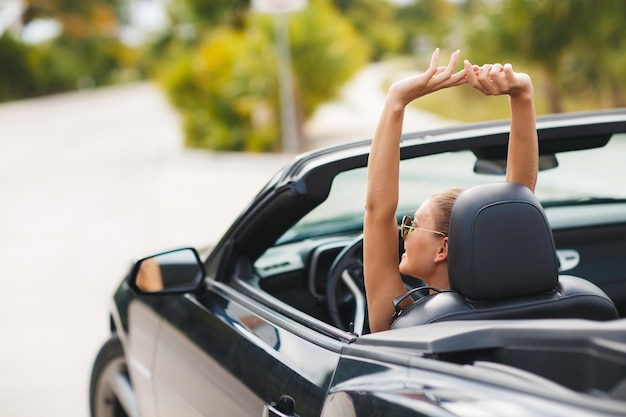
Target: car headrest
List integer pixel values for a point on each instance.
(500, 243)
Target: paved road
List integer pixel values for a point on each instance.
(90, 180)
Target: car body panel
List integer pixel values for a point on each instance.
(202, 341)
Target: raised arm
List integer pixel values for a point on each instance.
(380, 231)
(523, 153)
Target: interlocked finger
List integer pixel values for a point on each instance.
(499, 78)
(486, 79)
(473, 74)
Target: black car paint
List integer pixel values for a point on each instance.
(199, 353)
(209, 360)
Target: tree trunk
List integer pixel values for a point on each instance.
(552, 92)
(618, 95)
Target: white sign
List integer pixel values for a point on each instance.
(278, 6)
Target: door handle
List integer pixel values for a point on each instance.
(284, 407)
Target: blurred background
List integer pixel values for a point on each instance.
(129, 127)
(219, 61)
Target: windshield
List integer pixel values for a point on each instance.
(586, 175)
(581, 176)
(343, 210)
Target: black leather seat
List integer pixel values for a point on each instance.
(502, 264)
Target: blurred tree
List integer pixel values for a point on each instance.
(225, 83)
(218, 11)
(88, 51)
(190, 20)
(224, 92)
(428, 24)
(326, 52)
(597, 60)
(384, 35)
(79, 18)
(15, 81)
(575, 43)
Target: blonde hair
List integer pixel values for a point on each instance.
(443, 201)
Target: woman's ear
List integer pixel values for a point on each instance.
(442, 251)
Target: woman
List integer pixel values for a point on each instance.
(426, 238)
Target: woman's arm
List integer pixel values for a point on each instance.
(380, 231)
(523, 152)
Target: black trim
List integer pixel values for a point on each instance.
(283, 315)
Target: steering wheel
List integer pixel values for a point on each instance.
(345, 283)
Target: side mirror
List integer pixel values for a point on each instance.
(174, 272)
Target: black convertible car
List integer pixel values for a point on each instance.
(272, 320)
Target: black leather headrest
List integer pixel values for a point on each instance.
(500, 243)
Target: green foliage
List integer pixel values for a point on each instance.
(226, 88)
(597, 60)
(91, 61)
(383, 34)
(62, 64)
(326, 51)
(427, 24)
(87, 53)
(576, 46)
(15, 81)
(217, 11)
(224, 92)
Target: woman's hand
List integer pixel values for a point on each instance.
(523, 151)
(497, 79)
(433, 79)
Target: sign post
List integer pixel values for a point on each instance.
(279, 9)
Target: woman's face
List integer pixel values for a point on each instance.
(421, 247)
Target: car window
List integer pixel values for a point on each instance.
(585, 175)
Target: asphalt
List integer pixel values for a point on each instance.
(91, 180)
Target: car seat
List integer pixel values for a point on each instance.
(502, 264)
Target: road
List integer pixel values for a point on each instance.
(89, 181)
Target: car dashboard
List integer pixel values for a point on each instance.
(296, 273)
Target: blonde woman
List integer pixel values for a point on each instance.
(426, 234)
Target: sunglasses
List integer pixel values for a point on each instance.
(408, 224)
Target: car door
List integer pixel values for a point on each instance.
(222, 353)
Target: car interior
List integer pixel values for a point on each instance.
(587, 220)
